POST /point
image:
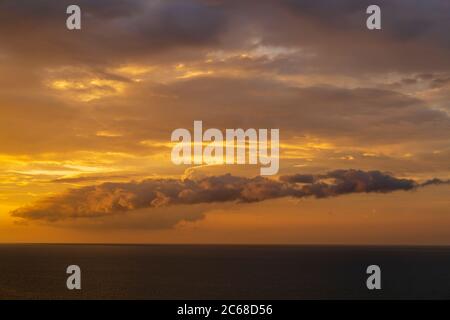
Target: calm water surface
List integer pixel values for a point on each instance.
(222, 272)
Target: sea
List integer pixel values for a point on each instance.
(206, 272)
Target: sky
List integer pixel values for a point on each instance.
(86, 118)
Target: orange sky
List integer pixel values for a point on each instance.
(93, 110)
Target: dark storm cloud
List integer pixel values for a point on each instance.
(112, 31)
(350, 181)
(113, 198)
(402, 19)
(332, 32)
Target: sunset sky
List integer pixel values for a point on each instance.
(86, 118)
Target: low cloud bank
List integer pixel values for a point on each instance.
(118, 198)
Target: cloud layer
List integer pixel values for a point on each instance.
(140, 69)
(115, 198)
(79, 109)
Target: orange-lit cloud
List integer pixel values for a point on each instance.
(79, 110)
(113, 198)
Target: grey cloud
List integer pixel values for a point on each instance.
(434, 182)
(116, 31)
(336, 34)
(350, 181)
(112, 31)
(117, 198)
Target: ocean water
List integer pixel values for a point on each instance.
(223, 272)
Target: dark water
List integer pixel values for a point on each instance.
(222, 272)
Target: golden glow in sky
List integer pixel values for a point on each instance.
(86, 118)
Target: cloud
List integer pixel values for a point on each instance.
(115, 31)
(376, 115)
(434, 182)
(53, 65)
(110, 199)
(111, 30)
(94, 178)
(299, 178)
